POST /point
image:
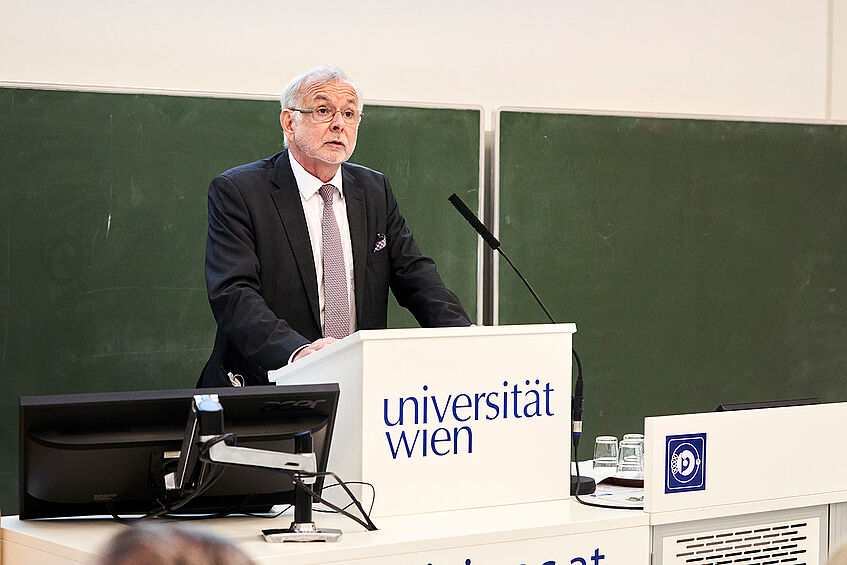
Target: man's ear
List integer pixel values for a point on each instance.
(285, 117)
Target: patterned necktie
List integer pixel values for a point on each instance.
(336, 305)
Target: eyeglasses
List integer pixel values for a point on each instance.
(324, 114)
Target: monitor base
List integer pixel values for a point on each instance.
(301, 532)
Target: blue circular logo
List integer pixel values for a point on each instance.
(685, 462)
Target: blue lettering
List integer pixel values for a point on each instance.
(456, 439)
(435, 439)
(509, 402)
(575, 561)
(401, 403)
(492, 405)
(547, 391)
(385, 414)
(466, 403)
(515, 392)
(403, 444)
(597, 557)
(441, 413)
(536, 402)
(425, 406)
(477, 398)
(402, 440)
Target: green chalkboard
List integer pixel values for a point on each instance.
(103, 228)
(428, 154)
(703, 261)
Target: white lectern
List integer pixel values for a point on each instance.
(449, 418)
(752, 486)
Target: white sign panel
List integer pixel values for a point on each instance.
(451, 418)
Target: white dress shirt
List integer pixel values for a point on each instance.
(308, 186)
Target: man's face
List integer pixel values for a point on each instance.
(314, 144)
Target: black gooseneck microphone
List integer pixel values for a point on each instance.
(579, 485)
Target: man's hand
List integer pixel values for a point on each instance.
(314, 346)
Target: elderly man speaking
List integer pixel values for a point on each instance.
(303, 247)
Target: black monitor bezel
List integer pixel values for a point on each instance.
(92, 410)
(733, 406)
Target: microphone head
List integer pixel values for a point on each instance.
(474, 221)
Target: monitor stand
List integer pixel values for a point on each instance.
(302, 529)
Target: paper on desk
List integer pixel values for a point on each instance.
(612, 495)
(616, 496)
(586, 469)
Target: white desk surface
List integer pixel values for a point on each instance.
(80, 540)
(727, 510)
(742, 508)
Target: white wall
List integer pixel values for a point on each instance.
(766, 58)
(838, 66)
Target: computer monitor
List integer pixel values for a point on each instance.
(728, 407)
(108, 453)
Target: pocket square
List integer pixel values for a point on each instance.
(380, 242)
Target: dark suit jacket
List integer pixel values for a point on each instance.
(260, 273)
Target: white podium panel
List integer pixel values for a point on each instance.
(628, 546)
(532, 534)
(699, 466)
(796, 536)
(449, 418)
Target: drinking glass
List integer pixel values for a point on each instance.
(605, 452)
(631, 456)
(640, 439)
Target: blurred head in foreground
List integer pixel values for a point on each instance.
(170, 544)
(839, 556)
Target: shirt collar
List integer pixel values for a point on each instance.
(308, 184)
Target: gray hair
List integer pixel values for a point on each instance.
(323, 74)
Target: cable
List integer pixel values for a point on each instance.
(295, 477)
(268, 515)
(366, 523)
(576, 494)
(204, 484)
(577, 398)
(216, 470)
(373, 496)
(235, 509)
(166, 509)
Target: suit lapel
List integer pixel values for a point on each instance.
(356, 218)
(286, 197)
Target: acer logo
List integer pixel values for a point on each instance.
(273, 405)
